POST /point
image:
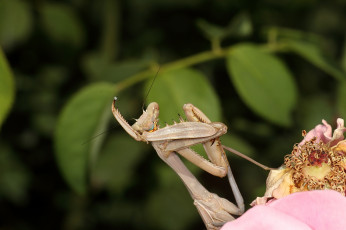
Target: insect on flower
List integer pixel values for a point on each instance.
(177, 139)
(318, 162)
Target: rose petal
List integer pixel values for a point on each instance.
(321, 132)
(338, 134)
(263, 217)
(324, 133)
(319, 209)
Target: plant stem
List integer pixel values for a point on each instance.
(185, 62)
(181, 63)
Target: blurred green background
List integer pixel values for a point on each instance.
(266, 68)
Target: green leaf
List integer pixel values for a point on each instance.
(6, 88)
(312, 53)
(15, 22)
(111, 28)
(210, 30)
(240, 26)
(14, 176)
(281, 33)
(85, 115)
(175, 88)
(341, 99)
(61, 23)
(115, 167)
(343, 57)
(247, 127)
(237, 143)
(98, 68)
(263, 82)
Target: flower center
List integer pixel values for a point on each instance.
(317, 157)
(319, 172)
(315, 166)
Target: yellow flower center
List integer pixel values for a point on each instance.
(315, 166)
(319, 172)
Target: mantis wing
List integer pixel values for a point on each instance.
(184, 130)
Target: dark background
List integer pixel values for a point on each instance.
(57, 47)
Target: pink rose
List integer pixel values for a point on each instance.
(323, 133)
(318, 162)
(320, 209)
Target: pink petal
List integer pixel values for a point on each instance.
(321, 132)
(263, 217)
(338, 134)
(319, 209)
(324, 133)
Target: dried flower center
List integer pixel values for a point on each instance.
(318, 172)
(317, 166)
(317, 157)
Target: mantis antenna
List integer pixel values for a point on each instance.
(151, 85)
(247, 158)
(115, 98)
(97, 135)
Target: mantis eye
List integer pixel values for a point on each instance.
(153, 128)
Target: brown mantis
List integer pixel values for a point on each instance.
(178, 138)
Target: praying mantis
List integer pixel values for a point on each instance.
(177, 139)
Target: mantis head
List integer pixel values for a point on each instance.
(147, 122)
